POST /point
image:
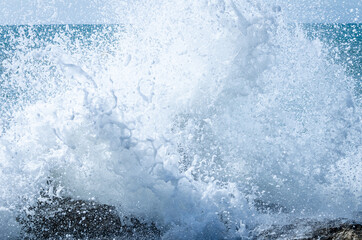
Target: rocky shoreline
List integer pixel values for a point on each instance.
(306, 229)
(66, 218)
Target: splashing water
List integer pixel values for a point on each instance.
(207, 118)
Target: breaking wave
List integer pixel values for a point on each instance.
(208, 119)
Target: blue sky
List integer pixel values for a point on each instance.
(100, 11)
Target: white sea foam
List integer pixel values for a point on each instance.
(197, 116)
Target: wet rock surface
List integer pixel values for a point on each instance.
(340, 229)
(54, 217)
(66, 218)
(345, 232)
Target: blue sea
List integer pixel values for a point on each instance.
(211, 123)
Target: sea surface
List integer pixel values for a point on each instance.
(212, 122)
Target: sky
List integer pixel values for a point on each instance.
(103, 11)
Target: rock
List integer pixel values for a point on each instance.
(59, 218)
(342, 232)
(304, 229)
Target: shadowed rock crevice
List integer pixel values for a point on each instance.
(59, 218)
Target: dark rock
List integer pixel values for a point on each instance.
(305, 229)
(342, 232)
(59, 218)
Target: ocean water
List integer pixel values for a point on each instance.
(212, 120)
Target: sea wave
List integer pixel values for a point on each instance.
(206, 118)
